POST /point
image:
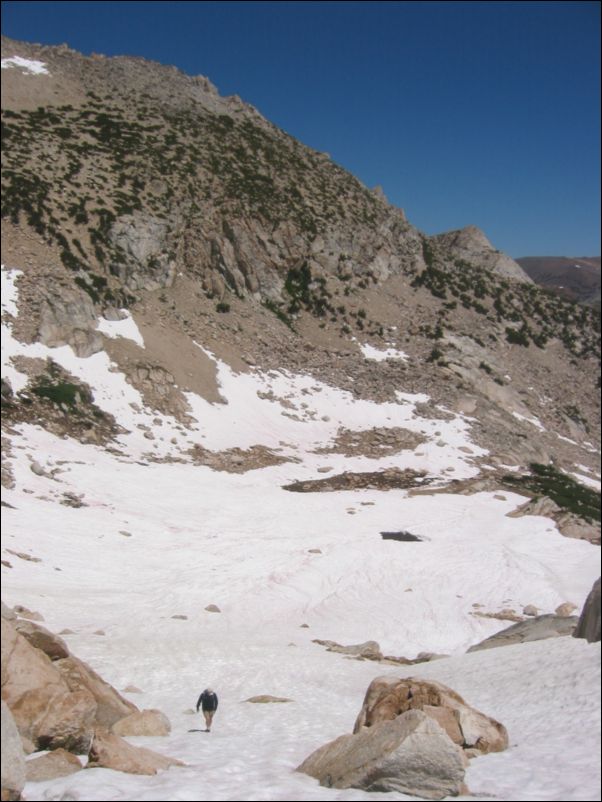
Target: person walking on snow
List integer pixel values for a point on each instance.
(207, 701)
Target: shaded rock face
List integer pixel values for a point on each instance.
(69, 318)
(7, 613)
(13, 758)
(588, 626)
(40, 638)
(538, 628)
(64, 720)
(142, 238)
(390, 697)
(411, 754)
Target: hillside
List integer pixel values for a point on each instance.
(162, 198)
(228, 371)
(575, 278)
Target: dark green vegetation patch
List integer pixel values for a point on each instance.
(61, 393)
(56, 386)
(570, 495)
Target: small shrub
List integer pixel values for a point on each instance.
(282, 316)
(518, 336)
(435, 355)
(61, 393)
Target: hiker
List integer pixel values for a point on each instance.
(208, 702)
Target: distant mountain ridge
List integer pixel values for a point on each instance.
(576, 278)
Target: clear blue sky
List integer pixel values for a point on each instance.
(479, 112)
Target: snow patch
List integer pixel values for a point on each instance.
(25, 64)
(377, 355)
(587, 481)
(10, 292)
(126, 327)
(532, 420)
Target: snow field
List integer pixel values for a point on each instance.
(157, 540)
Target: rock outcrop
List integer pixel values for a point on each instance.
(47, 713)
(13, 757)
(109, 751)
(67, 317)
(411, 755)
(41, 638)
(111, 706)
(56, 702)
(538, 628)
(370, 650)
(144, 722)
(471, 244)
(58, 763)
(389, 697)
(143, 241)
(569, 524)
(266, 698)
(588, 626)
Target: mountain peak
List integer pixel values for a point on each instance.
(470, 243)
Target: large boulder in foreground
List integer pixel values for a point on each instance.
(56, 700)
(539, 628)
(13, 757)
(588, 626)
(144, 722)
(111, 706)
(390, 697)
(47, 713)
(58, 763)
(411, 754)
(112, 752)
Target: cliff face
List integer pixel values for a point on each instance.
(129, 185)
